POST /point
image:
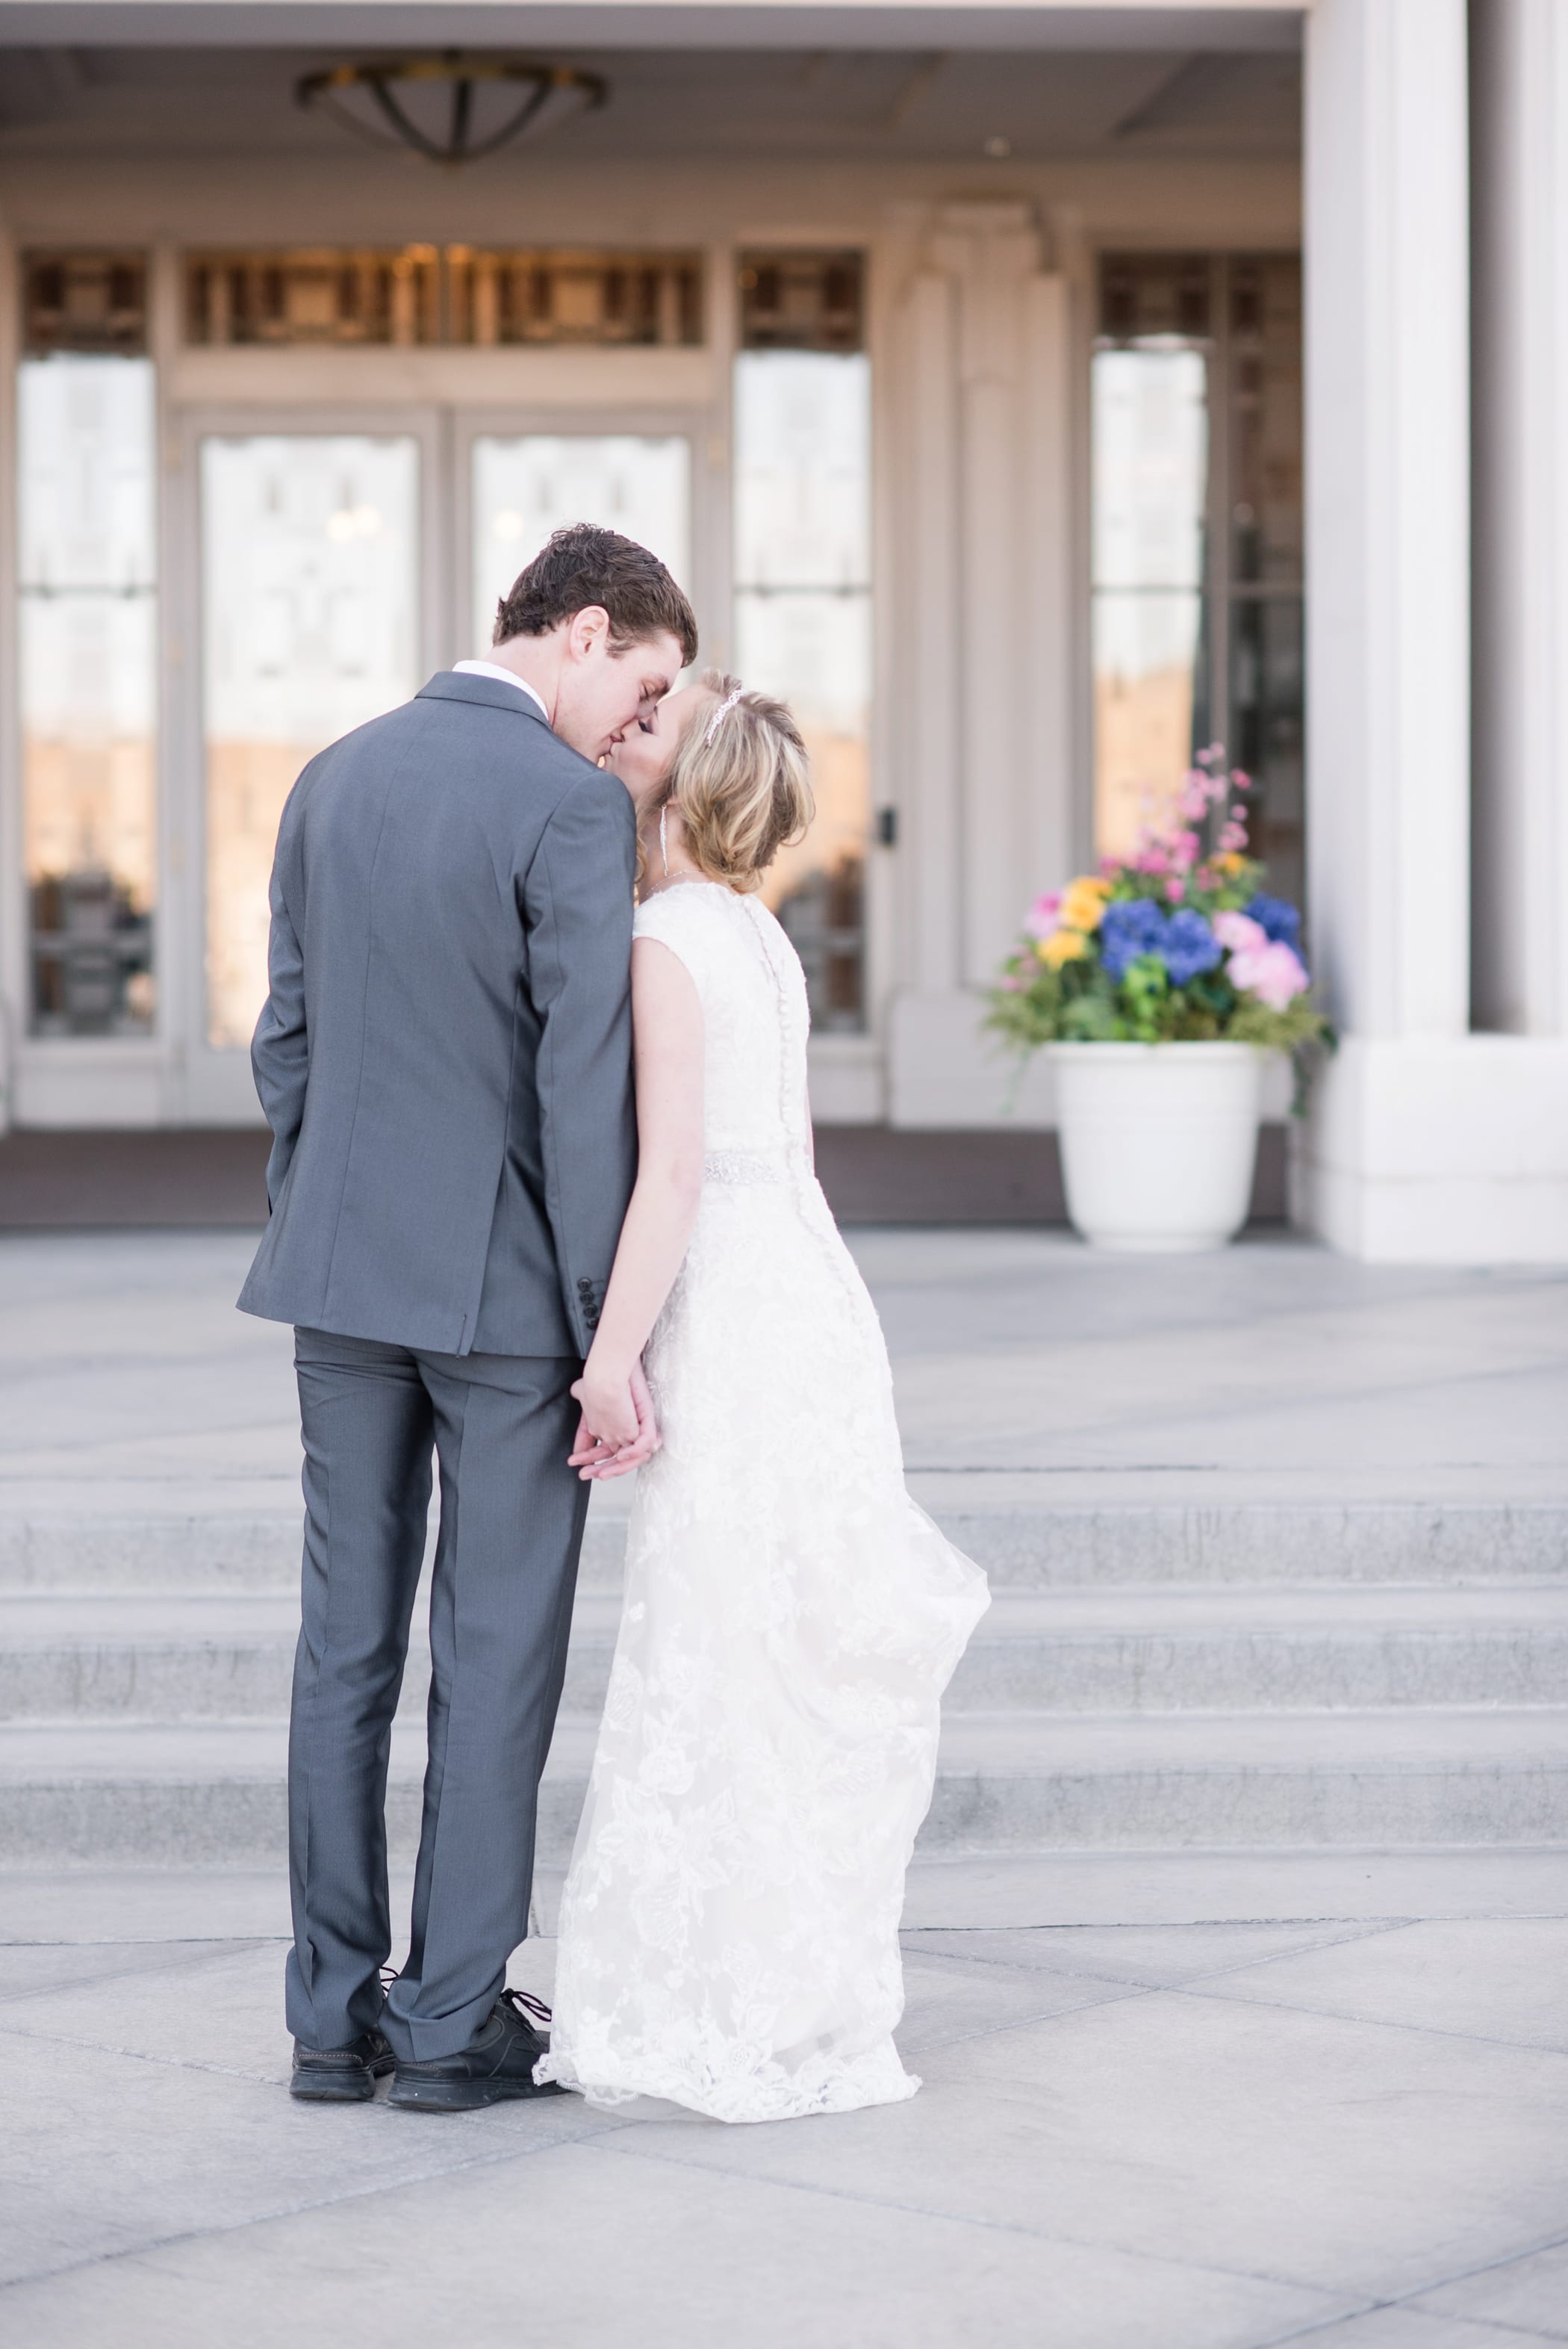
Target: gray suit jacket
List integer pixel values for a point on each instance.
(445, 1055)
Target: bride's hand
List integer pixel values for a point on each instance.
(595, 1455)
(605, 1395)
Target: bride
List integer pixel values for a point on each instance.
(730, 1926)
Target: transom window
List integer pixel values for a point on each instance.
(424, 294)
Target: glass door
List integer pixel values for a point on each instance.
(311, 615)
(334, 564)
(517, 484)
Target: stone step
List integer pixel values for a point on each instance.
(213, 1793)
(1022, 1543)
(212, 1551)
(188, 1657)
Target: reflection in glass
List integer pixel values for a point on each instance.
(309, 554)
(1265, 496)
(525, 488)
(1151, 472)
(803, 630)
(86, 556)
(1266, 730)
(1266, 454)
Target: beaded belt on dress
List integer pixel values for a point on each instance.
(746, 1166)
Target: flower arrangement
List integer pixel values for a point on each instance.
(1179, 942)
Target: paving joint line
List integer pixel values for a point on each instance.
(971, 2219)
(1374, 2022)
(1439, 2283)
(151, 1941)
(1120, 1994)
(1216, 1973)
(302, 2208)
(202, 1953)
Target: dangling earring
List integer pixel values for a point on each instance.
(664, 838)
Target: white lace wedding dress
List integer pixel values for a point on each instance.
(729, 1927)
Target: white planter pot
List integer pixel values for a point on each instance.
(1158, 1140)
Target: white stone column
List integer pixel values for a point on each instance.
(1387, 503)
(1519, 149)
(981, 563)
(1426, 1141)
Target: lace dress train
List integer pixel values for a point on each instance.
(729, 1925)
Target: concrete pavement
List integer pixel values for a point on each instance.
(1216, 2092)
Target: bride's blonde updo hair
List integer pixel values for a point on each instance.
(739, 783)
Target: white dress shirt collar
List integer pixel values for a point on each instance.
(503, 676)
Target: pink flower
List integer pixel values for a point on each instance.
(1232, 837)
(1175, 891)
(1240, 934)
(1194, 801)
(1153, 860)
(1041, 917)
(1186, 848)
(1273, 973)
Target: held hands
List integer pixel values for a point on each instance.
(618, 1430)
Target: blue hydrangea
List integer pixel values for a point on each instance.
(1182, 941)
(1276, 920)
(1129, 928)
(1189, 946)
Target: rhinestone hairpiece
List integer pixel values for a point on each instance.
(722, 711)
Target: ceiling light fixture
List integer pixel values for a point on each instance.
(451, 108)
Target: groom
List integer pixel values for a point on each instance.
(445, 1062)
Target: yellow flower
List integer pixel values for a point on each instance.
(1083, 902)
(1063, 946)
(1229, 863)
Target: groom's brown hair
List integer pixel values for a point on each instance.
(583, 565)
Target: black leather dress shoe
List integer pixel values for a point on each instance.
(341, 2076)
(498, 2064)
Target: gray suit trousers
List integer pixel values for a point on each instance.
(500, 1608)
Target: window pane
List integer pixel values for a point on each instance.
(310, 548)
(524, 489)
(1150, 483)
(802, 628)
(87, 566)
(1197, 409)
(1150, 661)
(1151, 467)
(802, 489)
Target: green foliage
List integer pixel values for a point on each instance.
(1079, 1003)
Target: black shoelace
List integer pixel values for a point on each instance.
(528, 2008)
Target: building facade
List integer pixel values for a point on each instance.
(1033, 393)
